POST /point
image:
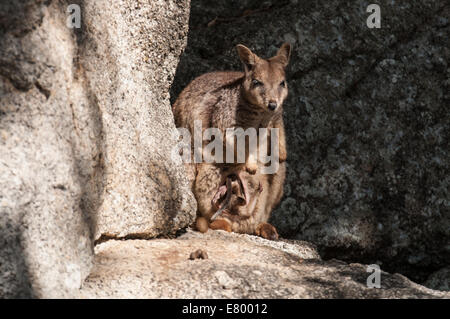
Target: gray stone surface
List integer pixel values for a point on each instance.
(367, 120)
(239, 266)
(129, 59)
(439, 280)
(85, 136)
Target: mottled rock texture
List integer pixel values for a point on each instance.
(238, 266)
(439, 280)
(86, 132)
(132, 50)
(367, 120)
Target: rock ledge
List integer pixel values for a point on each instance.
(239, 266)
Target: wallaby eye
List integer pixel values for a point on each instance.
(283, 84)
(256, 83)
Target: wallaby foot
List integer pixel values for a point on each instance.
(201, 224)
(220, 224)
(267, 231)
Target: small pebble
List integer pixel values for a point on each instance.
(225, 281)
(198, 254)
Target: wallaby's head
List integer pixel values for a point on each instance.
(264, 83)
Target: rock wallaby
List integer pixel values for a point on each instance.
(237, 196)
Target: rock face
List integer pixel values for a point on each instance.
(367, 121)
(238, 266)
(130, 67)
(86, 133)
(439, 280)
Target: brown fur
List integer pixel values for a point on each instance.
(238, 99)
(220, 224)
(265, 192)
(201, 224)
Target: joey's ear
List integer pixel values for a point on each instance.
(247, 56)
(284, 54)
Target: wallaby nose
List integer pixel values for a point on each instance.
(272, 106)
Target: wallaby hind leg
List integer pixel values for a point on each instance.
(267, 231)
(220, 224)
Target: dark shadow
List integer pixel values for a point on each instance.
(17, 19)
(90, 171)
(14, 277)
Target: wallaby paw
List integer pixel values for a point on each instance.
(267, 231)
(220, 224)
(251, 168)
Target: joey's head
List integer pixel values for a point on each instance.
(265, 84)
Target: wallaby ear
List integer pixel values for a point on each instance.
(284, 54)
(247, 56)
